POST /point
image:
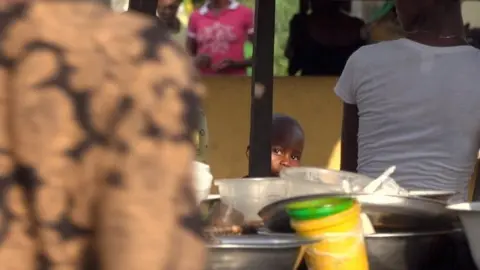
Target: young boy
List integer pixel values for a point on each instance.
(287, 147)
(288, 140)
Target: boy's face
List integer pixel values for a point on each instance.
(287, 148)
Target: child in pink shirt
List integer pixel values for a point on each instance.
(217, 33)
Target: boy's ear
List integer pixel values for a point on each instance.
(247, 152)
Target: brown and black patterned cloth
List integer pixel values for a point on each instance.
(96, 115)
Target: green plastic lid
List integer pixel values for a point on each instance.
(319, 208)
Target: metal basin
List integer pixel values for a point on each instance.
(411, 233)
(388, 213)
(255, 252)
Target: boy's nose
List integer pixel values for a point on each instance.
(285, 162)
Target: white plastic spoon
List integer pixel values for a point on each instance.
(375, 184)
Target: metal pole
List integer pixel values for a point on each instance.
(262, 90)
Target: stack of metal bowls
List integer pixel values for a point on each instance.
(256, 252)
(411, 233)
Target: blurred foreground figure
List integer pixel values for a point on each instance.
(96, 116)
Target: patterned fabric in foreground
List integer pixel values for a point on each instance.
(96, 115)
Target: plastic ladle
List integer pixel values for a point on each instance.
(375, 184)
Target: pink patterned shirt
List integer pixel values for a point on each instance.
(221, 35)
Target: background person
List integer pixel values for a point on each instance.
(217, 33)
(167, 15)
(321, 39)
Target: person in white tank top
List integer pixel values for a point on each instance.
(415, 102)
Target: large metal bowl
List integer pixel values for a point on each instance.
(255, 252)
(388, 213)
(411, 233)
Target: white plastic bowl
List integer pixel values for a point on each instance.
(469, 214)
(249, 195)
(202, 180)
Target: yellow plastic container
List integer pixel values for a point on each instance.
(342, 246)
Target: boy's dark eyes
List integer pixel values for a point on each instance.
(295, 157)
(277, 150)
(280, 151)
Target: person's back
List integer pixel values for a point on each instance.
(419, 109)
(95, 142)
(413, 102)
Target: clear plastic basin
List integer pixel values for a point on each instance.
(249, 195)
(311, 180)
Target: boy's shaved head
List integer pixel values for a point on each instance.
(286, 129)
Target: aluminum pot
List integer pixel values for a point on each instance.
(255, 252)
